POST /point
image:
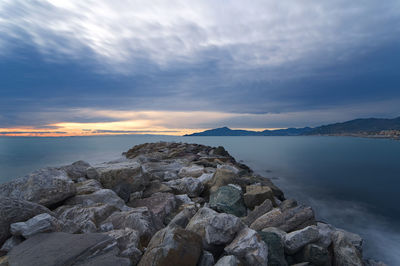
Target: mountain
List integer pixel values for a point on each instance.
(225, 131)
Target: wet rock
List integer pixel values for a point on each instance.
(76, 170)
(191, 171)
(87, 187)
(173, 246)
(255, 195)
(274, 238)
(296, 240)
(188, 185)
(206, 259)
(41, 223)
(105, 196)
(228, 261)
(161, 204)
(155, 186)
(248, 246)
(345, 253)
(273, 218)
(48, 186)
(140, 219)
(66, 249)
(13, 211)
(316, 255)
(10, 243)
(128, 243)
(258, 211)
(184, 216)
(229, 200)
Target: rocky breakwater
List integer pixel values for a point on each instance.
(163, 204)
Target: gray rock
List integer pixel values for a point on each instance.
(46, 186)
(229, 200)
(199, 221)
(206, 177)
(287, 204)
(258, 211)
(188, 185)
(128, 243)
(206, 259)
(345, 253)
(76, 170)
(316, 255)
(13, 211)
(325, 234)
(222, 177)
(274, 238)
(161, 204)
(371, 262)
(228, 261)
(10, 243)
(105, 196)
(4, 261)
(183, 199)
(42, 223)
(155, 186)
(249, 247)
(88, 187)
(184, 216)
(191, 171)
(66, 249)
(273, 218)
(297, 218)
(354, 239)
(255, 195)
(222, 228)
(296, 240)
(173, 246)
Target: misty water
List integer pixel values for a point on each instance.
(352, 183)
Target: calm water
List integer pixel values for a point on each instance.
(352, 183)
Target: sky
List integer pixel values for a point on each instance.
(172, 67)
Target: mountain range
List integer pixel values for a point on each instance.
(362, 127)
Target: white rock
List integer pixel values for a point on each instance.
(222, 228)
(204, 178)
(188, 185)
(228, 167)
(191, 171)
(228, 261)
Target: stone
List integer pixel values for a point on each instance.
(15, 210)
(155, 186)
(354, 239)
(371, 262)
(48, 249)
(141, 219)
(316, 255)
(48, 187)
(249, 247)
(87, 187)
(274, 238)
(206, 177)
(229, 167)
(206, 259)
(161, 204)
(188, 185)
(183, 199)
(229, 200)
(287, 204)
(128, 243)
(10, 243)
(222, 228)
(258, 211)
(200, 220)
(228, 261)
(105, 196)
(173, 246)
(222, 177)
(296, 240)
(4, 261)
(84, 219)
(41, 223)
(184, 216)
(273, 218)
(76, 170)
(255, 195)
(297, 218)
(325, 234)
(344, 252)
(191, 171)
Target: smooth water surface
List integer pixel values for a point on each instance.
(352, 183)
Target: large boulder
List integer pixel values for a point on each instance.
(258, 211)
(228, 199)
(76, 170)
(10, 243)
(15, 210)
(273, 218)
(345, 253)
(316, 255)
(183, 217)
(249, 247)
(161, 204)
(48, 187)
(296, 240)
(87, 187)
(128, 243)
(229, 261)
(49, 249)
(105, 196)
(173, 246)
(42, 223)
(222, 177)
(325, 234)
(188, 185)
(155, 186)
(274, 238)
(191, 171)
(255, 195)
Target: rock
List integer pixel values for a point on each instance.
(173, 246)
(229, 200)
(13, 211)
(199, 221)
(161, 204)
(88, 187)
(128, 243)
(248, 246)
(287, 204)
(205, 178)
(296, 240)
(140, 219)
(126, 174)
(345, 253)
(155, 186)
(222, 177)
(206, 259)
(47, 187)
(191, 171)
(66, 249)
(222, 228)
(258, 211)
(10, 243)
(228, 261)
(274, 238)
(105, 196)
(183, 199)
(188, 185)
(325, 235)
(255, 195)
(354, 239)
(229, 167)
(84, 219)
(42, 223)
(76, 170)
(316, 255)
(371, 262)
(297, 218)
(4, 261)
(273, 218)
(184, 216)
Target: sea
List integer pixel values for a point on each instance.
(351, 183)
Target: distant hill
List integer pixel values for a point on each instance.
(362, 127)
